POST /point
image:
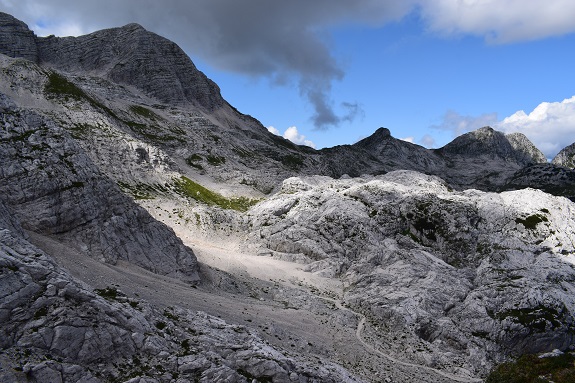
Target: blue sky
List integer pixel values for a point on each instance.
(334, 71)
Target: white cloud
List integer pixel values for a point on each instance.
(500, 21)
(427, 141)
(273, 130)
(550, 126)
(293, 135)
(407, 139)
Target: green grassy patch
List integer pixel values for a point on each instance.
(144, 112)
(142, 190)
(531, 221)
(216, 160)
(532, 369)
(110, 293)
(59, 85)
(533, 318)
(194, 160)
(79, 131)
(191, 189)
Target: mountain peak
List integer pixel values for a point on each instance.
(525, 149)
(489, 142)
(128, 55)
(131, 55)
(134, 27)
(382, 132)
(16, 39)
(566, 157)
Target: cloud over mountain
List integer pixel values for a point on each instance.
(293, 135)
(283, 41)
(551, 125)
(289, 42)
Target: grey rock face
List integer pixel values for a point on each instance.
(566, 157)
(484, 159)
(525, 151)
(53, 329)
(447, 267)
(54, 188)
(16, 40)
(487, 142)
(133, 56)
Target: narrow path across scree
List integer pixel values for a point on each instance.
(372, 349)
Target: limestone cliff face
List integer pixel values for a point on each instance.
(487, 273)
(566, 157)
(525, 151)
(16, 40)
(54, 329)
(133, 56)
(54, 188)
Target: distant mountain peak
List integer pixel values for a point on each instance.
(566, 157)
(134, 27)
(526, 151)
(489, 142)
(382, 132)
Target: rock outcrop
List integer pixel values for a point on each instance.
(54, 188)
(566, 157)
(54, 329)
(468, 276)
(16, 39)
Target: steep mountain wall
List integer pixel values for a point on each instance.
(54, 188)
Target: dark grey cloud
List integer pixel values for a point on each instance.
(284, 41)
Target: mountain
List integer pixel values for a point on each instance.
(149, 231)
(456, 273)
(566, 157)
(55, 328)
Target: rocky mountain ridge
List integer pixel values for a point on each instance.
(130, 58)
(108, 139)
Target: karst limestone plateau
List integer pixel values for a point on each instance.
(150, 232)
